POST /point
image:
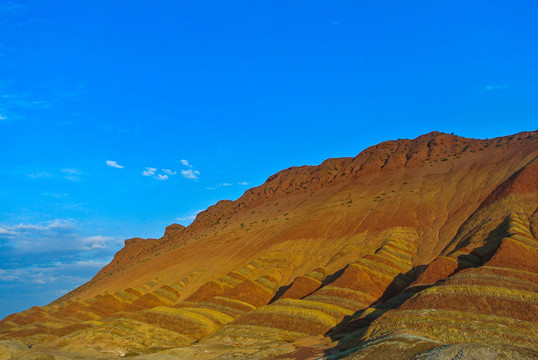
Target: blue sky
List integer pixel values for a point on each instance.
(118, 118)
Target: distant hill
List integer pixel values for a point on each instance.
(425, 247)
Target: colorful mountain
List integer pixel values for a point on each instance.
(413, 249)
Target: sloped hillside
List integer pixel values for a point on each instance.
(421, 248)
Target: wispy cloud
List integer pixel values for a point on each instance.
(53, 236)
(51, 272)
(186, 163)
(49, 258)
(149, 171)
(189, 217)
(190, 174)
(161, 177)
(55, 195)
(496, 87)
(97, 241)
(224, 184)
(51, 225)
(72, 171)
(24, 101)
(68, 174)
(114, 164)
(40, 175)
(14, 105)
(169, 172)
(72, 174)
(6, 232)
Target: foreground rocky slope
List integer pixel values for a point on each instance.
(421, 248)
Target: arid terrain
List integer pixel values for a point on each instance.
(414, 249)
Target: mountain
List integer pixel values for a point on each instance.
(423, 248)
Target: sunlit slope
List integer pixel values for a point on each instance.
(485, 290)
(410, 245)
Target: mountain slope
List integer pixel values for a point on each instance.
(408, 246)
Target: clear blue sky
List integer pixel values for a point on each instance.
(237, 90)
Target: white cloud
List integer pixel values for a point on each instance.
(50, 272)
(72, 178)
(24, 101)
(82, 264)
(51, 225)
(186, 163)
(189, 217)
(5, 232)
(114, 164)
(55, 195)
(16, 104)
(43, 279)
(52, 237)
(72, 174)
(95, 242)
(55, 255)
(190, 174)
(224, 184)
(496, 87)
(218, 186)
(9, 274)
(152, 172)
(149, 171)
(40, 175)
